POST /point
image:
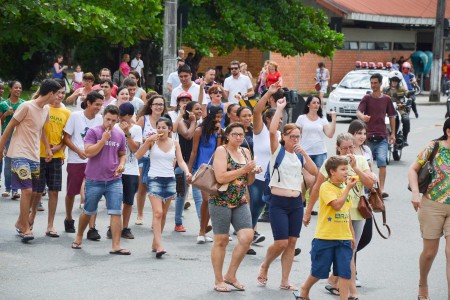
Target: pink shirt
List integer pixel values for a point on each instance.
(125, 68)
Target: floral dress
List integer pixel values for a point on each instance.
(236, 194)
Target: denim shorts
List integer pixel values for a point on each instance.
(325, 253)
(162, 187)
(130, 186)
(144, 163)
(380, 151)
(25, 174)
(112, 190)
(318, 159)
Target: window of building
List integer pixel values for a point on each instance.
(374, 46)
(404, 46)
(350, 46)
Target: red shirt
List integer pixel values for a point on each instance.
(113, 90)
(272, 78)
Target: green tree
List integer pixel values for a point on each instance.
(283, 26)
(35, 30)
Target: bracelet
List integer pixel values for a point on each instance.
(128, 135)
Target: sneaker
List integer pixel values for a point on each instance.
(40, 207)
(108, 233)
(201, 239)
(93, 235)
(251, 252)
(258, 238)
(126, 234)
(69, 226)
(139, 221)
(208, 239)
(264, 218)
(297, 251)
(6, 194)
(187, 205)
(314, 213)
(358, 283)
(15, 196)
(44, 193)
(180, 228)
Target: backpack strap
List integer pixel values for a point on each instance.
(278, 161)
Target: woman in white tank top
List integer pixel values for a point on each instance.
(161, 176)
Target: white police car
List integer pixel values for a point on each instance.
(346, 96)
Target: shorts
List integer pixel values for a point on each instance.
(50, 175)
(318, 159)
(323, 88)
(130, 186)
(222, 216)
(434, 219)
(380, 151)
(162, 187)
(75, 177)
(24, 174)
(144, 164)
(286, 216)
(325, 253)
(94, 190)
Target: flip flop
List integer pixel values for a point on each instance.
(332, 290)
(222, 289)
(76, 246)
(159, 254)
(52, 234)
(19, 232)
(288, 287)
(120, 252)
(298, 297)
(237, 285)
(262, 281)
(26, 237)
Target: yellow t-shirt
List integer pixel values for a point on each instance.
(332, 224)
(54, 129)
(358, 190)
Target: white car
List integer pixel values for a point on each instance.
(345, 97)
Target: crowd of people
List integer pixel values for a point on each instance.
(124, 143)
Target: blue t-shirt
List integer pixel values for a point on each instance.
(408, 78)
(55, 74)
(206, 148)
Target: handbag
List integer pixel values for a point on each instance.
(424, 174)
(318, 86)
(376, 200)
(205, 179)
(363, 208)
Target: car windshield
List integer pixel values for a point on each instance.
(356, 81)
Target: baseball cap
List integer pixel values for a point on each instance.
(184, 95)
(126, 109)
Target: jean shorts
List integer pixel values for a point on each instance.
(112, 190)
(325, 253)
(380, 151)
(318, 159)
(144, 163)
(162, 187)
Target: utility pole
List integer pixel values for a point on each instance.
(170, 41)
(438, 44)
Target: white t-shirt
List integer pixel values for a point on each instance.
(262, 151)
(77, 126)
(234, 86)
(174, 116)
(173, 79)
(138, 65)
(194, 90)
(131, 164)
(313, 137)
(290, 171)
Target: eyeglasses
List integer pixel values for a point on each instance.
(157, 104)
(234, 68)
(217, 92)
(237, 135)
(346, 148)
(294, 137)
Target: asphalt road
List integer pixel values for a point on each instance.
(48, 268)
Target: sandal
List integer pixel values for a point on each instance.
(298, 297)
(26, 237)
(422, 297)
(262, 281)
(15, 196)
(332, 290)
(76, 246)
(6, 194)
(289, 287)
(237, 285)
(52, 234)
(222, 289)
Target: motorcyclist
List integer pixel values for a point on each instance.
(410, 80)
(397, 94)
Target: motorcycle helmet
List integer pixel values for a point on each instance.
(406, 67)
(395, 75)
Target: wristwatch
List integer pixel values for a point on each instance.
(127, 135)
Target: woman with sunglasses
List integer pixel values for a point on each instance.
(154, 109)
(286, 205)
(215, 93)
(207, 137)
(359, 169)
(233, 166)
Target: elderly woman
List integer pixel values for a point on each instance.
(434, 206)
(234, 166)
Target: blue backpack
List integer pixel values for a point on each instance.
(267, 193)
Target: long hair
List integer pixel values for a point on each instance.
(286, 130)
(189, 107)
(357, 126)
(308, 102)
(147, 108)
(209, 124)
(444, 128)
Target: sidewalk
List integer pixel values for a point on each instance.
(423, 99)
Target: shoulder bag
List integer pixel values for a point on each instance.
(424, 174)
(205, 179)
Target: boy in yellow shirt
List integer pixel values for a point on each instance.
(334, 237)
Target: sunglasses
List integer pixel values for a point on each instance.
(217, 92)
(234, 68)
